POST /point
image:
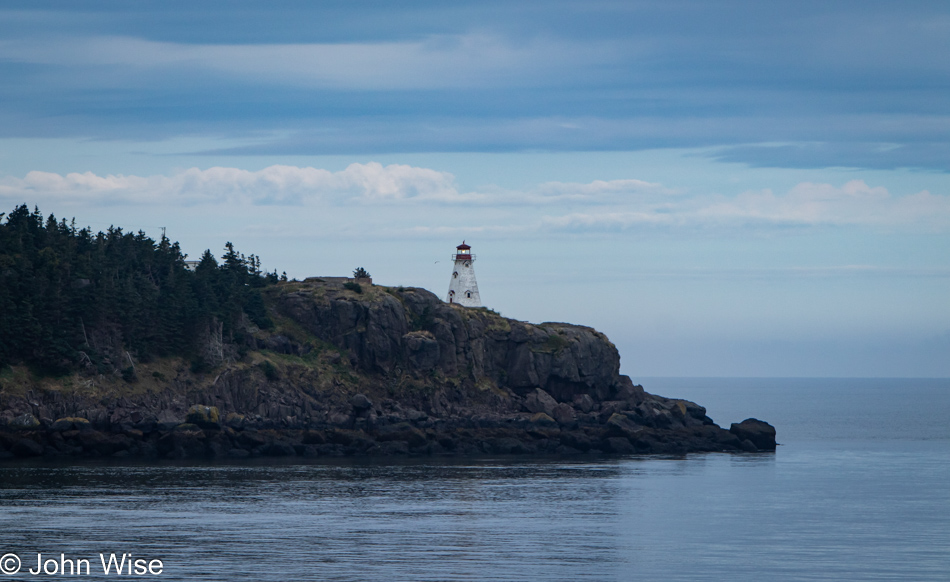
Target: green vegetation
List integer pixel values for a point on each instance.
(553, 344)
(270, 370)
(353, 287)
(71, 299)
(360, 273)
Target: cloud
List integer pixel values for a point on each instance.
(370, 183)
(806, 204)
(361, 183)
(492, 77)
(599, 190)
(600, 205)
(927, 152)
(815, 204)
(436, 61)
(829, 272)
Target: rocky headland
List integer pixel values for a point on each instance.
(361, 370)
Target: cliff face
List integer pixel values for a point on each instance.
(411, 330)
(368, 370)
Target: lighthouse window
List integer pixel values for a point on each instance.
(455, 275)
(468, 294)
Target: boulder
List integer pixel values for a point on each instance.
(620, 426)
(167, 420)
(542, 419)
(609, 407)
(564, 413)
(203, 416)
(416, 415)
(361, 402)
(540, 401)
(629, 392)
(24, 422)
(70, 423)
(584, 403)
(759, 433)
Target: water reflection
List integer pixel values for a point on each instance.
(795, 514)
(359, 521)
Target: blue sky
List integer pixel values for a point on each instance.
(724, 188)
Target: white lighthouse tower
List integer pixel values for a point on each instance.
(462, 288)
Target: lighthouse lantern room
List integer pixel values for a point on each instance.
(462, 288)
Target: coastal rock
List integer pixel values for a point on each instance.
(203, 416)
(102, 444)
(423, 351)
(583, 402)
(619, 445)
(403, 432)
(540, 401)
(629, 392)
(564, 413)
(24, 422)
(361, 402)
(759, 433)
(182, 444)
(70, 423)
(620, 425)
(542, 419)
(508, 446)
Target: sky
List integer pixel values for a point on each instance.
(724, 188)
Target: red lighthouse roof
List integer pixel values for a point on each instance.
(463, 252)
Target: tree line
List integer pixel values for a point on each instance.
(71, 298)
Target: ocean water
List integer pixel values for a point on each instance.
(859, 490)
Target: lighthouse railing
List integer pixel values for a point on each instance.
(463, 257)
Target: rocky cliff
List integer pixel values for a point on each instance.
(362, 370)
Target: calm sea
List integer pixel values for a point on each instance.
(859, 490)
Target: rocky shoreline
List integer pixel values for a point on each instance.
(619, 427)
(378, 371)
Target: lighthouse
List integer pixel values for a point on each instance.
(462, 288)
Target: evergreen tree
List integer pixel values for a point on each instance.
(71, 298)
